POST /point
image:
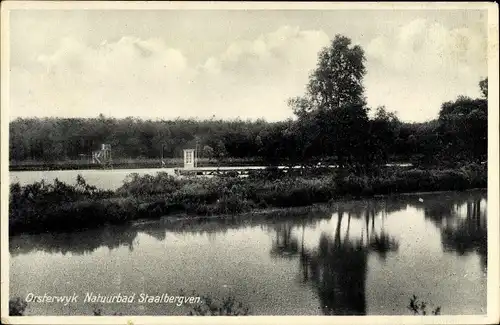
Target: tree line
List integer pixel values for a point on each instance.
(331, 124)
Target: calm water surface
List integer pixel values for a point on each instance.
(360, 257)
(105, 179)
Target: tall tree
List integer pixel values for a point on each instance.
(334, 102)
(338, 78)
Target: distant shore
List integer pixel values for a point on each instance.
(126, 164)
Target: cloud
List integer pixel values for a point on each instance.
(257, 76)
(422, 65)
(126, 77)
(286, 48)
(430, 47)
(146, 77)
(411, 69)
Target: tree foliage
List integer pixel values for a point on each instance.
(332, 114)
(483, 85)
(337, 80)
(463, 127)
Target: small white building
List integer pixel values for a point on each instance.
(189, 158)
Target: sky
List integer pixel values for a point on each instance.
(164, 64)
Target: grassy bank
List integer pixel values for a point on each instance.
(41, 207)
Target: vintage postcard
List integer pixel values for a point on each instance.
(277, 162)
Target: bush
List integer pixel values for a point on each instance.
(17, 307)
(476, 174)
(420, 307)
(413, 180)
(289, 192)
(147, 185)
(354, 185)
(42, 207)
(227, 307)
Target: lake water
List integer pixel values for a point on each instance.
(109, 179)
(353, 258)
(105, 179)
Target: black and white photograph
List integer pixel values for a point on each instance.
(249, 159)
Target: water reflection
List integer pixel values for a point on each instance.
(462, 231)
(284, 244)
(379, 242)
(337, 265)
(74, 243)
(440, 212)
(468, 234)
(335, 252)
(113, 237)
(462, 220)
(382, 244)
(442, 209)
(337, 269)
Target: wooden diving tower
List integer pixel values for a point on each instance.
(103, 156)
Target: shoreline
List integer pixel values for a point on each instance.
(124, 164)
(180, 218)
(59, 207)
(315, 207)
(155, 164)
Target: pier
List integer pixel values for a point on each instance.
(226, 171)
(191, 168)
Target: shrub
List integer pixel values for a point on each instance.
(17, 307)
(227, 307)
(147, 185)
(476, 174)
(450, 180)
(420, 307)
(353, 185)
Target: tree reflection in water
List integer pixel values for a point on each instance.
(468, 234)
(74, 244)
(382, 244)
(442, 210)
(113, 237)
(379, 242)
(284, 244)
(461, 232)
(337, 267)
